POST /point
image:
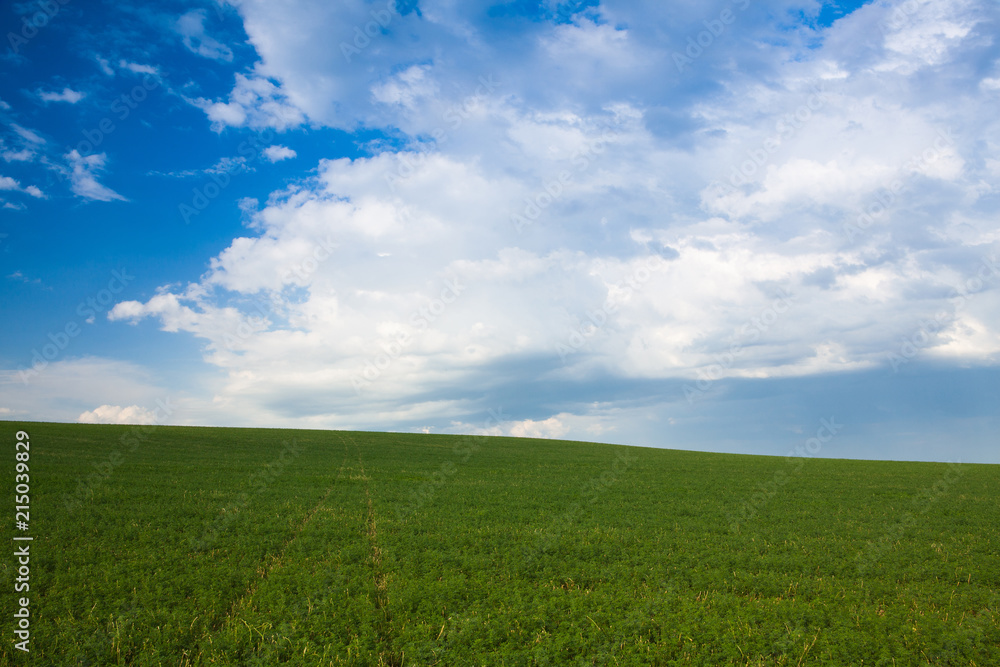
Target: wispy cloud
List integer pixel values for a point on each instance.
(20, 277)
(225, 165)
(83, 177)
(22, 155)
(138, 68)
(105, 65)
(191, 26)
(67, 95)
(27, 134)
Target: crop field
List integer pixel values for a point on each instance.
(211, 546)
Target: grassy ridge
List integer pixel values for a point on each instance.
(204, 546)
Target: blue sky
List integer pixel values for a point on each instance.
(695, 225)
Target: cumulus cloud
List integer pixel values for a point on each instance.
(62, 389)
(580, 214)
(278, 153)
(116, 414)
(8, 183)
(406, 88)
(254, 102)
(546, 428)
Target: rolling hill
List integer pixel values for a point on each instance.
(225, 546)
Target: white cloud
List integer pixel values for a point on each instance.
(547, 428)
(63, 389)
(27, 134)
(191, 26)
(672, 322)
(104, 65)
(116, 414)
(589, 136)
(8, 183)
(22, 155)
(278, 153)
(922, 33)
(83, 177)
(406, 88)
(67, 95)
(254, 102)
(138, 68)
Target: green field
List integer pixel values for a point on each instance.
(210, 546)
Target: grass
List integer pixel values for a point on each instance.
(211, 546)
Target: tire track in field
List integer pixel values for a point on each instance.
(383, 629)
(278, 560)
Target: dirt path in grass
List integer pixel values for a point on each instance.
(383, 651)
(277, 561)
(386, 655)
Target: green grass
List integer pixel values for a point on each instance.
(210, 546)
